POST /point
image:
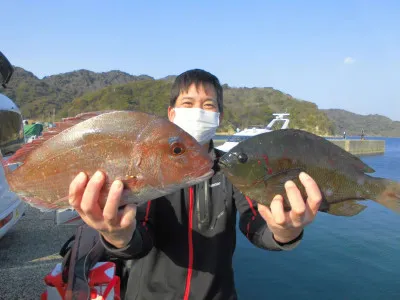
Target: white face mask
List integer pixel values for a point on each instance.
(199, 123)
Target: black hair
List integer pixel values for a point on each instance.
(198, 77)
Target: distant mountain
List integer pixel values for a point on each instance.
(145, 95)
(79, 82)
(68, 94)
(38, 97)
(353, 124)
(170, 78)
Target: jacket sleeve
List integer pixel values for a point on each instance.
(255, 228)
(143, 237)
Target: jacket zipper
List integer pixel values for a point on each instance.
(202, 207)
(190, 240)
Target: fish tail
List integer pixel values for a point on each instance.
(387, 193)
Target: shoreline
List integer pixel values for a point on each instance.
(328, 136)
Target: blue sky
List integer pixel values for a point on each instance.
(337, 54)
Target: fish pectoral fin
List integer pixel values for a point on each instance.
(347, 208)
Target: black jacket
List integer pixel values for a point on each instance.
(184, 242)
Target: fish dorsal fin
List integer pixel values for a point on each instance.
(84, 116)
(339, 154)
(71, 121)
(353, 160)
(21, 154)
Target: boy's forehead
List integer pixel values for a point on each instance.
(201, 88)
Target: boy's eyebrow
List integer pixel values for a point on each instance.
(192, 98)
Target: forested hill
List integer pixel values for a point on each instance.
(242, 107)
(37, 97)
(353, 124)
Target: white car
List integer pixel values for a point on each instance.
(11, 139)
(11, 206)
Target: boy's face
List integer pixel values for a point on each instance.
(204, 97)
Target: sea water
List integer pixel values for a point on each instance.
(339, 257)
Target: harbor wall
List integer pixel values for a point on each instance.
(361, 147)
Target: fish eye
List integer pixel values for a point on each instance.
(242, 157)
(177, 148)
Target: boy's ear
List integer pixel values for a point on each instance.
(171, 113)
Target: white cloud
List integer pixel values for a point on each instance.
(349, 60)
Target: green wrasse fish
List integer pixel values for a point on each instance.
(151, 155)
(260, 166)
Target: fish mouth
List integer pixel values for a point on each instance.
(226, 161)
(223, 164)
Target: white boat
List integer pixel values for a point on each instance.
(242, 135)
(11, 139)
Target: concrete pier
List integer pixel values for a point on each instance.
(356, 147)
(361, 147)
